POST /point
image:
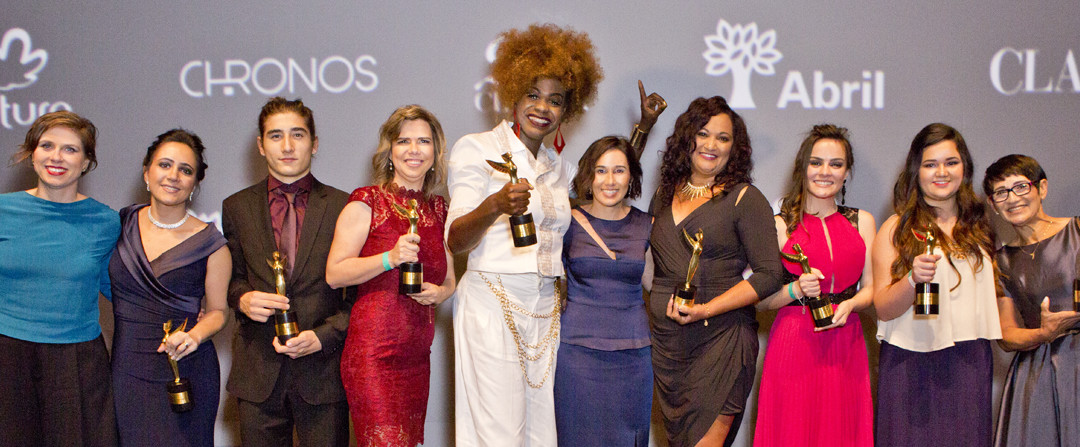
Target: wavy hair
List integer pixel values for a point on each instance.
(82, 127)
(971, 236)
(794, 202)
(389, 131)
(675, 163)
(546, 51)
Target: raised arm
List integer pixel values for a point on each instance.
(652, 105)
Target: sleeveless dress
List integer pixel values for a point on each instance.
(386, 361)
(603, 385)
(145, 295)
(1040, 404)
(702, 371)
(815, 386)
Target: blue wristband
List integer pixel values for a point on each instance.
(791, 292)
(386, 261)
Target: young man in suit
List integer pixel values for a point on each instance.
(297, 384)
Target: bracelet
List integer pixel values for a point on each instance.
(638, 136)
(386, 261)
(911, 279)
(791, 291)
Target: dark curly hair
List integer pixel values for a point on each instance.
(675, 165)
(971, 235)
(546, 51)
(791, 208)
(587, 166)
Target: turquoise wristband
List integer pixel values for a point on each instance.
(791, 292)
(386, 261)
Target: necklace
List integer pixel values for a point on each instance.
(692, 191)
(165, 226)
(1035, 248)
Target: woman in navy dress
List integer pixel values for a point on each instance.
(603, 385)
(167, 266)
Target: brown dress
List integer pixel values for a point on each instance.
(704, 371)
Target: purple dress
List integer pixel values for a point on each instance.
(1040, 404)
(603, 382)
(145, 295)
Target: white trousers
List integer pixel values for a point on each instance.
(494, 405)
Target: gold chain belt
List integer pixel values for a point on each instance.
(550, 340)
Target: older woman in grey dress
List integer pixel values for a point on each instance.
(1038, 269)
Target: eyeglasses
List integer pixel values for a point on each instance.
(1020, 189)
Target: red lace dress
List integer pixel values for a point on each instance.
(386, 362)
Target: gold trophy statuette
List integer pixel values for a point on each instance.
(1076, 295)
(820, 308)
(179, 389)
(412, 273)
(685, 295)
(926, 293)
(284, 320)
(521, 225)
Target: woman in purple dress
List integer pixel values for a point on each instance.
(603, 385)
(168, 267)
(1039, 264)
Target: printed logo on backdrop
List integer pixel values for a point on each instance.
(486, 100)
(20, 64)
(1014, 71)
(742, 51)
(271, 76)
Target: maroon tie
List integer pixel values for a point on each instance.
(288, 233)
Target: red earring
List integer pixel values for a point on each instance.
(559, 142)
(517, 127)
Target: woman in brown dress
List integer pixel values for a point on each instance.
(704, 355)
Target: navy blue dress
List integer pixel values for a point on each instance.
(145, 295)
(603, 381)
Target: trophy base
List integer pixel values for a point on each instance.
(822, 312)
(685, 297)
(180, 395)
(524, 231)
(285, 325)
(926, 298)
(1076, 295)
(412, 276)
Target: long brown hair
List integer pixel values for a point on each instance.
(675, 164)
(971, 236)
(791, 209)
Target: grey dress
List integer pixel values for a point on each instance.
(704, 371)
(1039, 406)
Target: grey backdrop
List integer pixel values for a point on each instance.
(1002, 72)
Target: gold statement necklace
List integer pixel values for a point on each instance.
(692, 191)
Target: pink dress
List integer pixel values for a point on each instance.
(815, 386)
(386, 361)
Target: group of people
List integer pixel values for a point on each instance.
(537, 361)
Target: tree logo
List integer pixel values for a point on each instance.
(23, 67)
(741, 51)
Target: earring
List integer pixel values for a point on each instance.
(588, 194)
(148, 186)
(191, 196)
(843, 193)
(559, 142)
(391, 165)
(517, 126)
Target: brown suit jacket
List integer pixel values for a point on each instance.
(245, 219)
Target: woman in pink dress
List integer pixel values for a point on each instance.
(815, 384)
(386, 361)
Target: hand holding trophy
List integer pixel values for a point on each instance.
(412, 273)
(521, 225)
(926, 293)
(180, 388)
(820, 308)
(685, 295)
(284, 320)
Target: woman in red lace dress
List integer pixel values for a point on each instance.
(386, 362)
